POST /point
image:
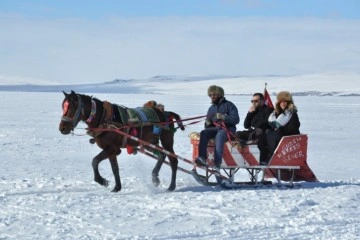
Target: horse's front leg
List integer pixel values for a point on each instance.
(167, 141)
(116, 172)
(95, 164)
(156, 170)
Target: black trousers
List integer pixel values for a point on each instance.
(272, 140)
(260, 136)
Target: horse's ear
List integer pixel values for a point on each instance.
(72, 92)
(65, 94)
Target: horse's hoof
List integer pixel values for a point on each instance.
(171, 188)
(102, 182)
(105, 183)
(116, 189)
(156, 181)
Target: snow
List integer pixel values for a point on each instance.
(48, 192)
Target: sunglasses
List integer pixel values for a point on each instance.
(255, 101)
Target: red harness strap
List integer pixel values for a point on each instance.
(223, 126)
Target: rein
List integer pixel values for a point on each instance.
(183, 120)
(192, 118)
(162, 123)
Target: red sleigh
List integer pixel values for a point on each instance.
(288, 163)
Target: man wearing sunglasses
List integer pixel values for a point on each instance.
(256, 123)
(222, 117)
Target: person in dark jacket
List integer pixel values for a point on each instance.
(283, 121)
(220, 112)
(256, 123)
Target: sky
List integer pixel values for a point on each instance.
(97, 41)
(139, 8)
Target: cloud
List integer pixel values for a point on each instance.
(77, 50)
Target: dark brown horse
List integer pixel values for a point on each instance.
(102, 115)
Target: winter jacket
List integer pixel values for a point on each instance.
(228, 109)
(258, 118)
(286, 123)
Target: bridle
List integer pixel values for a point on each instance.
(77, 116)
(79, 113)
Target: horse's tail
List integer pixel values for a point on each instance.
(172, 115)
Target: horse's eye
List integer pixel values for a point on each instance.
(65, 107)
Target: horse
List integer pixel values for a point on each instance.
(100, 115)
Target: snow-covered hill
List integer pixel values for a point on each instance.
(324, 84)
(16, 80)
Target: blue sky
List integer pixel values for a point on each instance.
(96, 41)
(92, 9)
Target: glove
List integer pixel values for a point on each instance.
(258, 132)
(181, 126)
(220, 116)
(273, 125)
(208, 123)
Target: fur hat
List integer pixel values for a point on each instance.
(284, 96)
(216, 89)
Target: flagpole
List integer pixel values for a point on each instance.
(267, 97)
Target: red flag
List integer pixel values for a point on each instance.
(267, 98)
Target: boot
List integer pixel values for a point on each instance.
(201, 162)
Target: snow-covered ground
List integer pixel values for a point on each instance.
(47, 189)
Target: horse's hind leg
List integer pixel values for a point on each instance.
(95, 164)
(156, 170)
(115, 170)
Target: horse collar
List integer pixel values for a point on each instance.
(93, 111)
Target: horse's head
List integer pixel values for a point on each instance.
(72, 107)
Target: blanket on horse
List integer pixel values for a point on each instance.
(129, 116)
(138, 115)
(119, 116)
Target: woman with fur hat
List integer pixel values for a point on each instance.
(283, 121)
(220, 111)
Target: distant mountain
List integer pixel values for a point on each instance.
(326, 84)
(15, 80)
(116, 81)
(89, 88)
